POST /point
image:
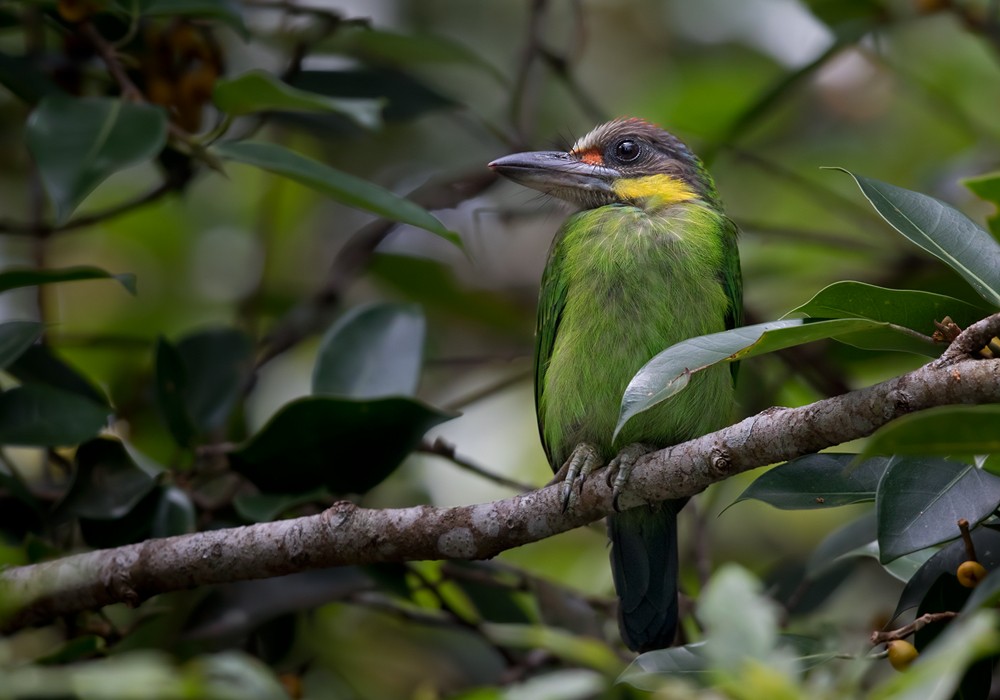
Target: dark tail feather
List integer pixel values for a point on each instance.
(644, 565)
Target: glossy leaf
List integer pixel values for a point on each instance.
(13, 278)
(405, 96)
(217, 364)
(647, 670)
(670, 371)
(943, 430)
(906, 308)
(988, 187)
(260, 91)
(40, 365)
(987, 543)
(941, 230)
(78, 143)
(133, 526)
(41, 416)
(340, 186)
(818, 481)
(372, 351)
(16, 337)
(174, 514)
(921, 499)
(107, 482)
(345, 445)
(844, 542)
(171, 383)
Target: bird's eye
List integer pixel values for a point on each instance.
(627, 150)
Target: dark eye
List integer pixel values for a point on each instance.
(627, 150)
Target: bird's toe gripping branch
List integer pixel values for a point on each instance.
(584, 460)
(620, 468)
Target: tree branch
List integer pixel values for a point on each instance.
(346, 534)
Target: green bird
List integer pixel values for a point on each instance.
(650, 260)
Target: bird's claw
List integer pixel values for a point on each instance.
(620, 469)
(584, 459)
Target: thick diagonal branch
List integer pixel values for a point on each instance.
(345, 534)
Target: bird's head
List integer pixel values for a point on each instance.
(626, 161)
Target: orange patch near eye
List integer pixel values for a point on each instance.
(591, 157)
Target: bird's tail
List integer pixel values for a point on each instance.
(644, 566)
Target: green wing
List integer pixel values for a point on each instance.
(551, 302)
(732, 281)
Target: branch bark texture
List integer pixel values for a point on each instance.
(345, 534)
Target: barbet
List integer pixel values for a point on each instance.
(650, 260)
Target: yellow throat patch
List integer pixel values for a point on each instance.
(663, 190)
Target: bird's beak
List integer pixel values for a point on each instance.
(557, 173)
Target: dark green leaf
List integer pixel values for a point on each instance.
(844, 542)
(340, 186)
(921, 499)
(259, 91)
(670, 371)
(77, 649)
(19, 75)
(265, 507)
(134, 526)
(647, 671)
(107, 483)
(943, 430)
(346, 445)
(987, 543)
(217, 364)
(174, 514)
(13, 277)
(818, 481)
(78, 142)
(987, 593)
(41, 416)
(16, 337)
(171, 387)
(941, 230)
(372, 351)
(987, 187)
(907, 308)
(40, 365)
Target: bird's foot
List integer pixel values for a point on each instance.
(620, 468)
(582, 461)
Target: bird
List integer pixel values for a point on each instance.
(648, 260)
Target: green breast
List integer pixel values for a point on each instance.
(621, 285)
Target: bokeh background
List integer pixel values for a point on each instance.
(769, 92)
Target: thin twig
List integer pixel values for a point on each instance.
(442, 448)
(879, 637)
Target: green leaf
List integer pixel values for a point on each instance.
(171, 386)
(40, 416)
(175, 514)
(259, 91)
(21, 76)
(78, 143)
(15, 277)
(987, 187)
(405, 97)
(227, 11)
(16, 337)
(844, 542)
(107, 484)
(340, 186)
(372, 351)
(942, 430)
(76, 649)
(217, 364)
(906, 308)
(921, 499)
(265, 507)
(941, 230)
(647, 670)
(938, 671)
(818, 481)
(346, 445)
(670, 371)
(40, 365)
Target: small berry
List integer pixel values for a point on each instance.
(901, 654)
(971, 573)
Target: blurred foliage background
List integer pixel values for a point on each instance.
(259, 267)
